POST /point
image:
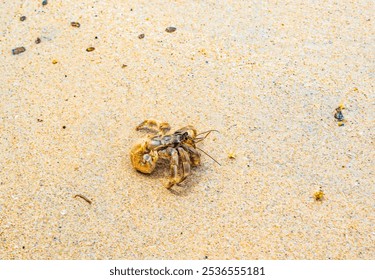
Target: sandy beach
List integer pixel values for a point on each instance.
(268, 75)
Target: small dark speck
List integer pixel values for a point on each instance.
(23, 18)
(37, 41)
(23, 247)
(45, 2)
(96, 37)
(124, 66)
(39, 120)
(141, 36)
(205, 257)
(206, 61)
(64, 126)
(131, 9)
(66, 76)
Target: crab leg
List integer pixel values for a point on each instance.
(188, 128)
(185, 163)
(154, 126)
(173, 179)
(195, 156)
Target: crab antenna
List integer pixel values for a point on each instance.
(205, 136)
(209, 156)
(208, 131)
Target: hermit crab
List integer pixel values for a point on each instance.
(178, 147)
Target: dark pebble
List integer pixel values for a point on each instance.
(45, 2)
(170, 29)
(18, 50)
(75, 24)
(141, 36)
(37, 41)
(23, 18)
(339, 116)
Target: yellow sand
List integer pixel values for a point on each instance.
(267, 74)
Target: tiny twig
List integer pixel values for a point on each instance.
(84, 198)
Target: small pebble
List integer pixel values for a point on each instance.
(23, 18)
(54, 61)
(231, 155)
(338, 115)
(170, 29)
(18, 50)
(141, 36)
(75, 24)
(37, 41)
(90, 49)
(319, 195)
(45, 2)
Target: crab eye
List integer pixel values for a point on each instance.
(185, 136)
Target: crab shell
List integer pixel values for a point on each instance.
(143, 160)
